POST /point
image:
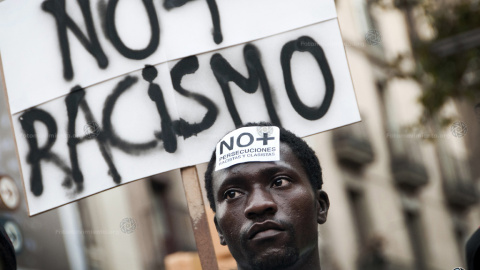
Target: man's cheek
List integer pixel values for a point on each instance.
(228, 221)
(304, 208)
(299, 200)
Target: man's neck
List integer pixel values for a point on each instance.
(310, 261)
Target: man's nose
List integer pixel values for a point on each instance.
(260, 203)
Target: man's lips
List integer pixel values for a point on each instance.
(265, 229)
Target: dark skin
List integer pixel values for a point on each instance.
(268, 213)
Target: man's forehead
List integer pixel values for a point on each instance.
(287, 160)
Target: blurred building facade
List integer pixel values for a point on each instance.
(400, 198)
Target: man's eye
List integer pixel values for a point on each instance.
(231, 194)
(280, 182)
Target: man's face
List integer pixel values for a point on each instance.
(267, 212)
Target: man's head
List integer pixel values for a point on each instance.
(267, 212)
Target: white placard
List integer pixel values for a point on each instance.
(173, 114)
(248, 144)
(137, 120)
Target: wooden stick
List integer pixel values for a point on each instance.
(198, 216)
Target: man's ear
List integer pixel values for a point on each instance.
(220, 233)
(323, 205)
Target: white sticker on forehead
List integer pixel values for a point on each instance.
(248, 144)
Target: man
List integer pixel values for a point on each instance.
(7, 252)
(473, 251)
(267, 212)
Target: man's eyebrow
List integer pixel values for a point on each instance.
(280, 167)
(233, 180)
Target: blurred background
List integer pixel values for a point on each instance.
(403, 183)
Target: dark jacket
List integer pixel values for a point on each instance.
(7, 252)
(473, 251)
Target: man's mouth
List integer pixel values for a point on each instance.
(265, 229)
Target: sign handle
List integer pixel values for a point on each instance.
(198, 216)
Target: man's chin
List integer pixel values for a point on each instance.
(275, 259)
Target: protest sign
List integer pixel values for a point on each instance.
(102, 93)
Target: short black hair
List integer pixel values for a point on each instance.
(298, 146)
